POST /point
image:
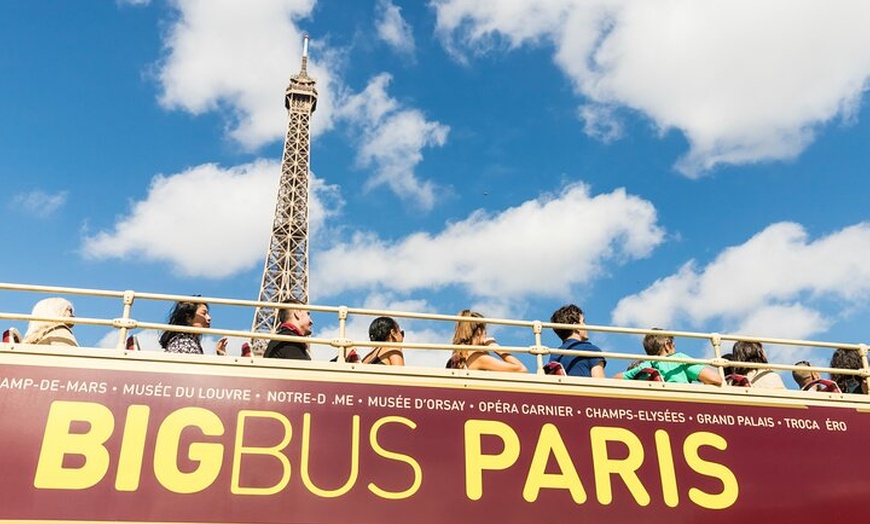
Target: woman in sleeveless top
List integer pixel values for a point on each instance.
(385, 329)
(472, 332)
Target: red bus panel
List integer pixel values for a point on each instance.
(192, 443)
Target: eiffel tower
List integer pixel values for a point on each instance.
(285, 275)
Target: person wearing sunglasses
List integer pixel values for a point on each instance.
(385, 329)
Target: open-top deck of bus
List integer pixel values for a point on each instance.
(99, 435)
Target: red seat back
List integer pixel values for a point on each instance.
(554, 368)
(822, 384)
(649, 374)
(132, 343)
(11, 335)
(735, 379)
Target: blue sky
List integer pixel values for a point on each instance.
(689, 165)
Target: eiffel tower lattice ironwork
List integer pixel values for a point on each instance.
(285, 275)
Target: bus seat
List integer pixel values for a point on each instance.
(738, 380)
(11, 335)
(554, 368)
(649, 374)
(822, 384)
(133, 343)
(351, 358)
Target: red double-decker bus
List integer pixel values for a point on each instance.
(96, 435)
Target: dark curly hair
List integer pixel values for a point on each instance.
(847, 359)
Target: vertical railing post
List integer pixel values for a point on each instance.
(537, 328)
(342, 333)
(862, 350)
(716, 340)
(129, 296)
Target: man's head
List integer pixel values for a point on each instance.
(296, 317)
(569, 314)
(658, 344)
(804, 376)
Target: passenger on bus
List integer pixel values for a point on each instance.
(473, 333)
(385, 329)
(193, 314)
(848, 359)
(663, 346)
(730, 358)
(576, 339)
(51, 333)
(803, 377)
(809, 380)
(294, 322)
(746, 351)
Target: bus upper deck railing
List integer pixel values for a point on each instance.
(127, 322)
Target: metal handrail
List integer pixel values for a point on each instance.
(127, 322)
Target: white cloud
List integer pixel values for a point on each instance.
(39, 203)
(791, 319)
(772, 320)
(136, 3)
(744, 81)
(600, 121)
(207, 221)
(392, 28)
(392, 139)
(236, 58)
(775, 283)
(541, 247)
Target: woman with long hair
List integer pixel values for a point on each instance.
(473, 333)
(188, 313)
(746, 351)
(385, 329)
(51, 333)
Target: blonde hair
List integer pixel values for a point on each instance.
(464, 335)
(47, 307)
